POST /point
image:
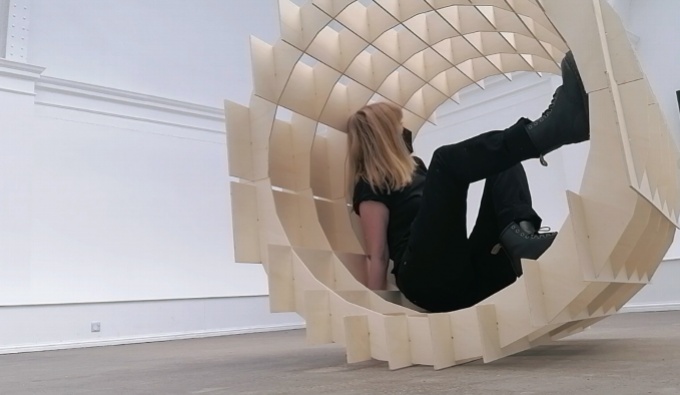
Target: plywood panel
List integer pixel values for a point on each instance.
(291, 213)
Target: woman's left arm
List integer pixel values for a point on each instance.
(375, 217)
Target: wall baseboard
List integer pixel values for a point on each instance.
(649, 308)
(69, 326)
(148, 339)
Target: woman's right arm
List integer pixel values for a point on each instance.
(374, 217)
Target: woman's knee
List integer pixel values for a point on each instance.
(450, 160)
(444, 152)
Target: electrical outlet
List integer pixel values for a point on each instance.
(96, 327)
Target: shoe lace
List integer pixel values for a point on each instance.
(543, 232)
(552, 103)
(543, 115)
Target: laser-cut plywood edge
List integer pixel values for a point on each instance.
(290, 211)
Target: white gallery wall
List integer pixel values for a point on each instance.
(191, 50)
(124, 210)
(115, 189)
(114, 195)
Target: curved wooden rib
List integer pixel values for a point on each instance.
(291, 212)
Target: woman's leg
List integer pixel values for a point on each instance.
(506, 199)
(438, 271)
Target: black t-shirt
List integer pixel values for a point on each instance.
(403, 206)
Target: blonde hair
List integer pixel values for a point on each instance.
(377, 151)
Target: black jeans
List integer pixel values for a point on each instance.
(443, 269)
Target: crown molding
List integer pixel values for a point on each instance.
(106, 94)
(94, 100)
(18, 77)
(20, 69)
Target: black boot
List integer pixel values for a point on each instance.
(521, 240)
(566, 119)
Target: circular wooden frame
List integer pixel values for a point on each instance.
(288, 148)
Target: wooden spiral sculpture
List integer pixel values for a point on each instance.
(290, 208)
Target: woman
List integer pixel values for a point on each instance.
(417, 217)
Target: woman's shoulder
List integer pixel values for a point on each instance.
(363, 187)
(363, 191)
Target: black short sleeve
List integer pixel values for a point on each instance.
(363, 192)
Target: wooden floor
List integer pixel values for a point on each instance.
(626, 354)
